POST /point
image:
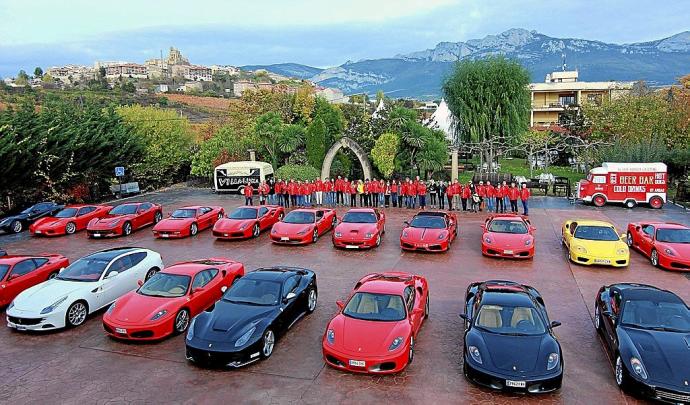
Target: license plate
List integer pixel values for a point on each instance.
(351, 246)
(39, 232)
(602, 261)
(508, 252)
(20, 327)
(164, 235)
(96, 235)
(284, 238)
(121, 331)
(225, 234)
(516, 384)
(357, 363)
(426, 245)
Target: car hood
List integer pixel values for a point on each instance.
(291, 229)
(515, 354)
(137, 308)
(369, 338)
(508, 239)
(42, 295)
(664, 354)
(228, 321)
(600, 247)
(50, 221)
(350, 229)
(680, 249)
(173, 223)
(14, 217)
(231, 225)
(423, 234)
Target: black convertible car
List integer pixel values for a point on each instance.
(17, 223)
(647, 331)
(243, 326)
(509, 341)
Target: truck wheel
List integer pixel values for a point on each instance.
(599, 201)
(656, 202)
(630, 204)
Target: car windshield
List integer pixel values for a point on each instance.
(673, 235)
(299, 217)
(509, 320)
(3, 270)
(184, 213)
(66, 213)
(165, 285)
(124, 209)
(243, 213)
(85, 269)
(604, 233)
(253, 292)
(507, 226)
(375, 307)
(664, 315)
(30, 209)
(424, 221)
(360, 218)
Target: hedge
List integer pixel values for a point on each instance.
(297, 172)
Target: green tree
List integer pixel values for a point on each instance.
(297, 172)
(491, 100)
(22, 78)
(291, 138)
(305, 101)
(38, 72)
(384, 152)
(332, 118)
(434, 155)
(316, 143)
(222, 144)
(268, 129)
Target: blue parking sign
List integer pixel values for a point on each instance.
(119, 171)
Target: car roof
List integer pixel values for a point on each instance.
(592, 222)
(366, 210)
(253, 207)
(385, 283)
(191, 207)
(501, 292)
(431, 214)
(631, 291)
(110, 254)
(186, 269)
(312, 210)
(11, 260)
(667, 225)
(275, 273)
(80, 205)
(509, 217)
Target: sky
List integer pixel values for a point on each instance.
(318, 33)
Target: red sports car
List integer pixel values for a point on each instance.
(187, 221)
(666, 244)
(124, 219)
(303, 226)
(375, 331)
(360, 228)
(17, 273)
(166, 303)
(508, 235)
(248, 222)
(69, 220)
(430, 232)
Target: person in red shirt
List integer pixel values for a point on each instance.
(513, 195)
(421, 192)
(524, 196)
(319, 191)
(292, 192)
(248, 193)
(346, 192)
(450, 193)
(338, 191)
(263, 192)
(504, 191)
(394, 193)
(490, 197)
(465, 194)
(481, 192)
(279, 192)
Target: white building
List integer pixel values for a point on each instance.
(193, 72)
(443, 120)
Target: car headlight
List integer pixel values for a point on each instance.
(274, 231)
(338, 234)
(110, 308)
(4, 221)
(487, 239)
(114, 222)
(369, 235)
(442, 235)
(330, 336)
(581, 249)
(159, 314)
(245, 338)
(669, 252)
(190, 329)
(10, 306)
(395, 344)
(303, 231)
(552, 361)
(52, 307)
(243, 227)
(474, 353)
(404, 234)
(528, 242)
(621, 251)
(638, 367)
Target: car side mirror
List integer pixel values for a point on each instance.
(340, 304)
(290, 296)
(169, 214)
(140, 283)
(197, 290)
(555, 324)
(13, 276)
(406, 223)
(223, 289)
(566, 226)
(112, 274)
(637, 228)
(464, 317)
(623, 236)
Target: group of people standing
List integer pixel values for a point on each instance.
(408, 193)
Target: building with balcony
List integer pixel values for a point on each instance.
(193, 72)
(114, 70)
(72, 73)
(563, 90)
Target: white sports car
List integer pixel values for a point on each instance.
(85, 286)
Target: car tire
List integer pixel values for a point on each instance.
(598, 321)
(629, 239)
(281, 216)
(426, 307)
(152, 271)
(656, 202)
(621, 373)
(314, 235)
(193, 229)
(181, 322)
(599, 201)
(76, 314)
(410, 352)
(312, 298)
(630, 204)
(383, 230)
(158, 216)
(267, 343)
(334, 222)
(70, 228)
(16, 226)
(127, 228)
(256, 230)
(378, 240)
(654, 258)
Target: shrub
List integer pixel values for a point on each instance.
(297, 172)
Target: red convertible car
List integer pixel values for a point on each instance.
(69, 220)
(430, 232)
(248, 221)
(187, 221)
(303, 226)
(166, 303)
(666, 244)
(124, 219)
(375, 331)
(360, 228)
(17, 273)
(509, 236)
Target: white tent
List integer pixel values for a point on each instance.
(443, 120)
(379, 108)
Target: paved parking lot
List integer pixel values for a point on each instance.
(85, 366)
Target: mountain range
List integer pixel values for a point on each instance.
(420, 74)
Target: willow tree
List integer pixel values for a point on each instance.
(490, 99)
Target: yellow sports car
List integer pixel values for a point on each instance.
(595, 242)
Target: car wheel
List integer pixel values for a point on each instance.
(599, 201)
(76, 314)
(378, 240)
(70, 228)
(410, 353)
(315, 235)
(181, 321)
(220, 215)
(621, 373)
(17, 226)
(52, 275)
(334, 222)
(157, 218)
(281, 216)
(654, 258)
(268, 343)
(383, 229)
(256, 231)
(629, 239)
(311, 300)
(656, 202)
(426, 307)
(152, 271)
(127, 229)
(193, 229)
(597, 317)
(630, 204)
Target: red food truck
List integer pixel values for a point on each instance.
(627, 183)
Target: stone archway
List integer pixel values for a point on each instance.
(358, 151)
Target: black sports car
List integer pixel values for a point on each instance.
(243, 326)
(509, 341)
(647, 331)
(17, 223)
